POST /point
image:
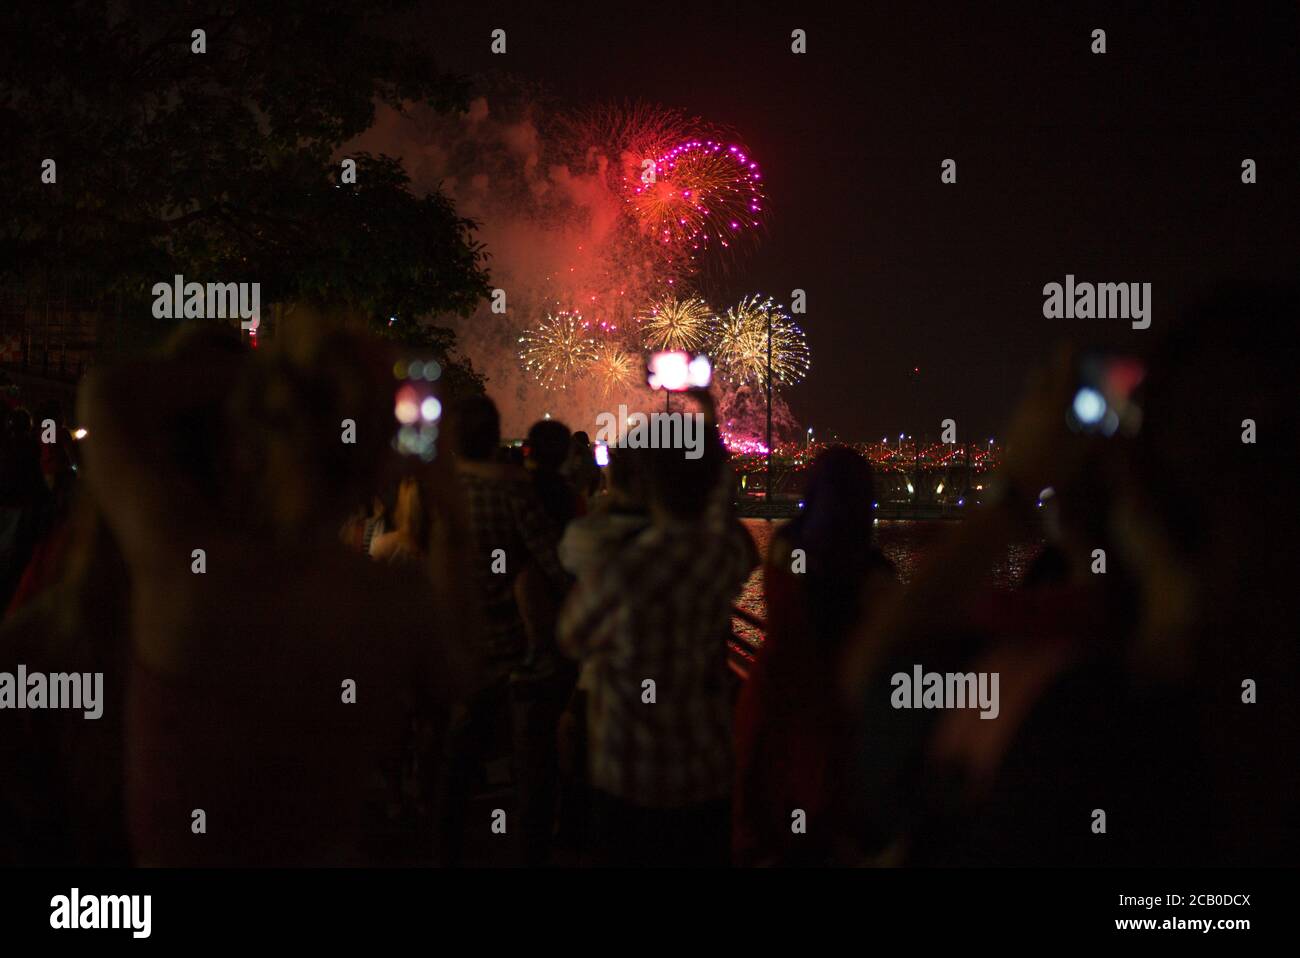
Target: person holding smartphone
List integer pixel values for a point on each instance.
(649, 626)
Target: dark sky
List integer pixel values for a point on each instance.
(1122, 167)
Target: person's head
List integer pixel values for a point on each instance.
(839, 493)
(548, 445)
(18, 424)
(627, 477)
(678, 487)
(476, 426)
(834, 530)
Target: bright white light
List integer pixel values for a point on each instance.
(1089, 406)
(79, 434)
(670, 371)
(698, 372)
(430, 409)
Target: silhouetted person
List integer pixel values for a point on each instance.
(794, 741)
(1130, 691)
(250, 696)
(545, 452)
(580, 468)
(509, 531)
(651, 625)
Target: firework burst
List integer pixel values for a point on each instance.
(677, 323)
(626, 133)
(558, 350)
(740, 344)
(704, 195)
(614, 368)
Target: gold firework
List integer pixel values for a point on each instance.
(557, 350)
(740, 344)
(674, 323)
(614, 367)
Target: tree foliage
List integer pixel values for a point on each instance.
(224, 165)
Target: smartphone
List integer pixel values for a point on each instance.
(677, 371)
(416, 409)
(1105, 400)
(602, 454)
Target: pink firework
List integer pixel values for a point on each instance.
(700, 195)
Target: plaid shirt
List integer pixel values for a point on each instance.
(660, 609)
(504, 513)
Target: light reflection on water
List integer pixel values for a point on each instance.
(906, 542)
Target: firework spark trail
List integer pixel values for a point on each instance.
(622, 136)
(703, 195)
(558, 350)
(740, 347)
(677, 323)
(614, 368)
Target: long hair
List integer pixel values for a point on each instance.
(835, 531)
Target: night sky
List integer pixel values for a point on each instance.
(1122, 167)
